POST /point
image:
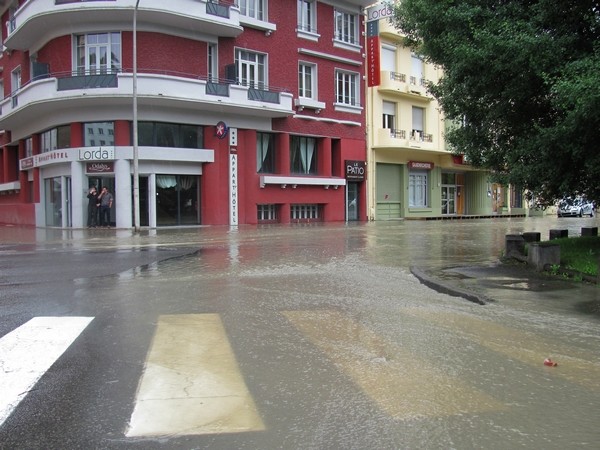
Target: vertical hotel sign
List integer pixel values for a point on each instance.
(374, 14)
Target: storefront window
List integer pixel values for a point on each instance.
(417, 189)
(56, 138)
(162, 134)
(177, 200)
(53, 202)
(99, 134)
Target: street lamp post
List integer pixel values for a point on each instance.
(136, 181)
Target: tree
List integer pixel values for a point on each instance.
(521, 85)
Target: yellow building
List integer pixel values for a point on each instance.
(411, 172)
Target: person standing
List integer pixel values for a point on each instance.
(106, 201)
(92, 211)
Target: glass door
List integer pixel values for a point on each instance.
(448, 199)
(352, 201)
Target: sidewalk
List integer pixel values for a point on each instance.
(504, 282)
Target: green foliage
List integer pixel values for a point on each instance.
(581, 254)
(522, 78)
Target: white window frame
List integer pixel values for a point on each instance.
(388, 57)
(417, 67)
(89, 63)
(15, 85)
(347, 91)
(389, 115)
(418, 124)
(307, 17)
(346, 29)
(255, 9)
(212, 63)
(251, 68)
(305, 70)
(418, 182)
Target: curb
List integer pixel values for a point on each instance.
(444, 288)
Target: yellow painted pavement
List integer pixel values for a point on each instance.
(191, 382)
(402, 385)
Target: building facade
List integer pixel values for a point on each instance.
(411, 172)
(247, 112)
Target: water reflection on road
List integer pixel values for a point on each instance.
(341, 347)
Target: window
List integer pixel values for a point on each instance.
(213, 72)
(28, 147)
(417, 188)
(98, 129)
(98, 53)
(56, 138)
(388, 58)
(15, 85)
(417, 123)
(307, 77)
(303, 155)
(251, 69)
(253, 8)
(267, 213)
(346, 27)
(307, 16)
(161, 134)
(346, 84)
(265, 153)
(389, 115)
(304, 212)
(416, 74)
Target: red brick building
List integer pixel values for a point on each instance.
(248, 112)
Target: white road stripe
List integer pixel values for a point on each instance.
(191, 382)
(29, 351)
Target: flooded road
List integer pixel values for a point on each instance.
(302, 337)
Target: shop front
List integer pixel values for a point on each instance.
(169, 185)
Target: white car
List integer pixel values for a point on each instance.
(575, 207)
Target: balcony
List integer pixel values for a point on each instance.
(73, 96)
(38, 21)
(403, 85)
(401, 139)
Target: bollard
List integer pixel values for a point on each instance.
(589, 231)
(539, 256)
(514, 245)
(557, 234)
(532, 236)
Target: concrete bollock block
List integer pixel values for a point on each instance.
(532, 236)
(514, 245)
(589, 231)
(557, 234)
(539, 256)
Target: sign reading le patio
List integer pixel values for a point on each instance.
(355, 170)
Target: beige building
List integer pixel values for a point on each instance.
(411, 172)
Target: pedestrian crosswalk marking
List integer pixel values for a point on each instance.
(401, 384)
(528, 347)
(29, 351)
(191, 382)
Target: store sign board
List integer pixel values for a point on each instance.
(420, 165)
(100, 167)
(356, 170)
(96, 154)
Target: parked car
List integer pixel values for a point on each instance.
(575, 207)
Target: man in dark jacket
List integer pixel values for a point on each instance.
(106, 201)
(92, 212)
